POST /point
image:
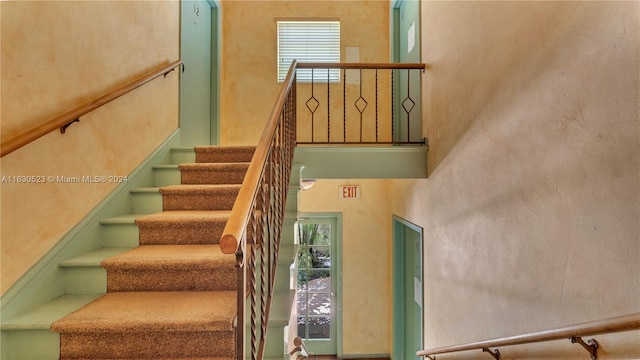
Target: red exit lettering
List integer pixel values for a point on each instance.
(349, 192)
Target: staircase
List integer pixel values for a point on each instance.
(173, 296)
(170, 292)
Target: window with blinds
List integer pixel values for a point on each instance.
(309, 41)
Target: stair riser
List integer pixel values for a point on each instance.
(222, 200)
(146, 345)
(85, 280)
(212, 177)
(171, 280)
(120, 235)
(146, 202)
(166, 176)
(181, 234)
(30, 345)
(180, 156)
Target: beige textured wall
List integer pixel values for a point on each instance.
(57, 55)
(366, 261)
(249, 54)
(531, 211)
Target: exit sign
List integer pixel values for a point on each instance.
(349, 192)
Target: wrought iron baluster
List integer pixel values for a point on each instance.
(344, 105)
(312, 105)
(253, 290)
(408, 104)
(393, 102)
(361, 104)
(264, 248)
(376, 105)
(328, 106)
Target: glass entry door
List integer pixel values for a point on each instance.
(316, 284)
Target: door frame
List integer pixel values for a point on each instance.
(398, 54)
(399, 228)
(337, 260)
(214, 81)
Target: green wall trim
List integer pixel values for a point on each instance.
(389, 162)
(44, 281)
(216, 45)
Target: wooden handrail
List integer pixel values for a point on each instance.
(309, 65)
(239, 217)
(253, 229)
(64, 119)
(611, 325)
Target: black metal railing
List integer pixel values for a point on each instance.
(369, 104)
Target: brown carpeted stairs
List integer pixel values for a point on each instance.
(173, 296)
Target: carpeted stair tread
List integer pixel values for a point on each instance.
(168, 256)
(197, 189)
(150, 325)
(213, 173)
(173, 358)
(174, 345)
(199, 197)
(220, 154)
(194, 215)
(154, 312)
(236, 166)
(182, 227)
(171, 268)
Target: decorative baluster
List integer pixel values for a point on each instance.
(376, 105)
(328, 106)
(408, 104)
(361, 104)
(344, 106)
(312, 105)
(393, 102)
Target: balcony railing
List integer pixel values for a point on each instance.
(352, 103)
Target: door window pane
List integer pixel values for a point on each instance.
(319, 327)
(314, 285)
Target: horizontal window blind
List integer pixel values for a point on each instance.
(309, 41)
